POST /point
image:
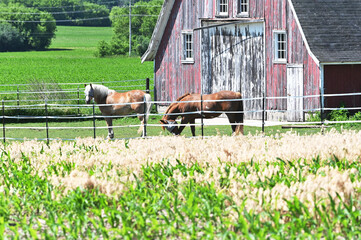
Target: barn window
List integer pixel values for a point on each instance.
(280, 46)
(243, 8)
(222, 8)
(187, 47)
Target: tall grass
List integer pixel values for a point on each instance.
(247, 187)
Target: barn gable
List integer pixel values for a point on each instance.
(158, 32)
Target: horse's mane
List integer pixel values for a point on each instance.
(101, 89)
(177, 100)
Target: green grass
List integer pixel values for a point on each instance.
(70, 59)
(157, 206)
(81, 129)
(80, 37)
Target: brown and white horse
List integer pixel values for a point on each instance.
(104, 95)
(182, 107)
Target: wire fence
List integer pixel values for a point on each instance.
(86, 123)
(27, 95)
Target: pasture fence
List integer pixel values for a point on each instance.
(93, 115)
(39, 92)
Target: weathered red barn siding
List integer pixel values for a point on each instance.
(275, 19)
(172, 78)
(342, 79)
(279, 16)
(311, 76)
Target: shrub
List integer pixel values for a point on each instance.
(37, 28)
(10, 38)
(339, 115)
(103, 49)
(119, 47)
(356, 117)
(142, 45)
(314, 116)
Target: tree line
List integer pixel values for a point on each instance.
(31, 24)
(143, 20)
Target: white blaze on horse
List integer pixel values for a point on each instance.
(135, 101)
(233, 110)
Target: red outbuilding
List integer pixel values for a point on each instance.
(273, 48)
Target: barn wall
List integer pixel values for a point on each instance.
(311, 82)
(173, 78)
(279, 16)
(342, 79)
(209, 9)
(275, 14)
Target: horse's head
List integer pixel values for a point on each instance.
(89, 93)
(170, 125)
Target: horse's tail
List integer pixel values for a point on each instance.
(239, 96)
(148, 105)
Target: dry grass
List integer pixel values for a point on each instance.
(111, 165)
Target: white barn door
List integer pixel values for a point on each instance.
(295, 93)
(233, 59)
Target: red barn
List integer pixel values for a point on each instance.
(272, 48)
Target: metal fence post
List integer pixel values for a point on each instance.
(47, 121)
(4, 137)
(18, 99)
(202, 116)
(321, 111)
(145, 118)
(94, 120)
(78, 102)
(147, 85)
(263, 111)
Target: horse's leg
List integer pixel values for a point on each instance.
(183, 122)
(110, 129)
(141, 128)
(239, 128)
(193, 128)
(140, 109)
(234, 119)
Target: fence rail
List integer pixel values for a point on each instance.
(63, 92)
(92, 113)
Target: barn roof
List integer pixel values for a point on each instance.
(159, 28)
(332, 28)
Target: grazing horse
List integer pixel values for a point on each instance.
(104, 95)
(235, 109)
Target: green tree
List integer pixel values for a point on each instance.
(36, 27)
(144, 17)
(10, 38)
(71, 12)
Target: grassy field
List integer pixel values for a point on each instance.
(246, 187)
(70, 59)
